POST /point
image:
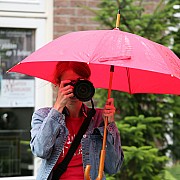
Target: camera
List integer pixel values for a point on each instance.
(83, 89)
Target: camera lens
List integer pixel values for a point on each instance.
(84, 90)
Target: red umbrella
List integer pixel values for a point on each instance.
(141, 66)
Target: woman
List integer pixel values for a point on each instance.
(53, 130)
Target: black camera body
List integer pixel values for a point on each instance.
(83, 89)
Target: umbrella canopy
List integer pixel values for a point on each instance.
(141, 66)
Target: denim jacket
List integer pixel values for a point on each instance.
(49, 134)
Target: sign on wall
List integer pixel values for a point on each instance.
(16, 90)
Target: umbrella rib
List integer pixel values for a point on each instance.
(128, 77)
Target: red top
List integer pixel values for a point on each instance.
(75, 167)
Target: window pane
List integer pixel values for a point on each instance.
(16, 102)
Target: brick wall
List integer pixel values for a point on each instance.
(72, 15)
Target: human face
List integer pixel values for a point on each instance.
(69, 75)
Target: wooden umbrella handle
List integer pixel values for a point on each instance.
(87, 172)
(103, 151)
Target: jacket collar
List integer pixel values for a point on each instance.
(84, 110)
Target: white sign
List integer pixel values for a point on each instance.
(16, 90)
(17, 93)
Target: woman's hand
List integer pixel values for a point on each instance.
(109, 110)
(64, 93)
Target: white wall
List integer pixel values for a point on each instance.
(37, 15)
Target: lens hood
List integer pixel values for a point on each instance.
(84, 90)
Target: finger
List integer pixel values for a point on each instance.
(107, 112)
(109, 107)
(110, 101)
(69, 91)
(65, 94)
(69, 95)
(66, 90)
(62, 84)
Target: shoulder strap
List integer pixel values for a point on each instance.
(64, 164)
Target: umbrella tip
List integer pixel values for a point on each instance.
(8, 71)
(118, 19)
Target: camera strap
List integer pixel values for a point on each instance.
(62, 167)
